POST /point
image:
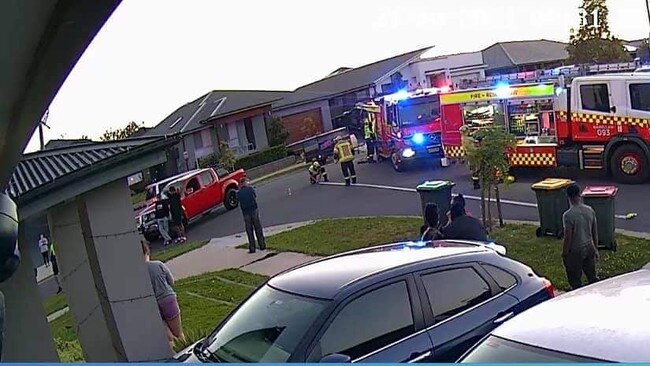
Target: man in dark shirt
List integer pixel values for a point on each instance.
(463, 226)
(162, 218)
(248, 204)
(176, 210)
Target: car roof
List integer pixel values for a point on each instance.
(172, 178)
(608, 321)
(189, 175)
(325, 278)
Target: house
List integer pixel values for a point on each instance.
(310, 109)
(59, 143)
(237, 118)
(446, 70)
(520, 56)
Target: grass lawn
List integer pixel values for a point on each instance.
(176, 250)
(204, 301)
(138, 197)
(333, 236)
(54, 303)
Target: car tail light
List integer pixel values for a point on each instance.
(548, 286)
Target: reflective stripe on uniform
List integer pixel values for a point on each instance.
(344, 150)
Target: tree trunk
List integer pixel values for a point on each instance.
(483, 216)
(489, 207)
(498, 199)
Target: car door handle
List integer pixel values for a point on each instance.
(503, 318)
(420, 357)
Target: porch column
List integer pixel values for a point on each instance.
(27, 333)
(105, 278)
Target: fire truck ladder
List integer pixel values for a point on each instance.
(553, 75)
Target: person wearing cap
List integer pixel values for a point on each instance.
(162, 218)
(579, 252)
(344, 155)
(317, 171)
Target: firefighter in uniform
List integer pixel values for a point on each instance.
(468, 144)
(344, 155)
(370, 136)
(317, 171)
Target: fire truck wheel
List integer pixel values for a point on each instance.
(629, 165)
(397, 165)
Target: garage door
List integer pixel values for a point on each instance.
(303, 125)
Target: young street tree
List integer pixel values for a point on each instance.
(121, 133)
(489, 162)
(278, 135)
(593, 42)
(227, 158)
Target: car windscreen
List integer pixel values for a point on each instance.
(413, 113)
(266, 328)
(498, 350)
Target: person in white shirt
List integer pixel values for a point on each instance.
(45, 249)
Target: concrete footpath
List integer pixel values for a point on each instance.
(222, 253)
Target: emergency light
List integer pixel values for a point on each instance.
(418, 138)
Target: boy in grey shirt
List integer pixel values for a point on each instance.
(579, 252)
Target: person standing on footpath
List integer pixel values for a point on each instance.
(344, 155)
(162, 218)
(579, 252)
(55, 268)
(248, 203)
(162, 282)
(44, 245)
(176, 210)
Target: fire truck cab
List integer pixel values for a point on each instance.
(598, 122)
(408, 128)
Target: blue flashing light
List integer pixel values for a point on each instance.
(418, 138)
(502, 90)
(400, 95)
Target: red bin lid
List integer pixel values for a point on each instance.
(600, 191)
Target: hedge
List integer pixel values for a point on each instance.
(250, 161)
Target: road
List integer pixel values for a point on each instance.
(291, 198)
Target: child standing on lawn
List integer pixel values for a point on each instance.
(162, 281)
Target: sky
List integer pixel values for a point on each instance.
(152, 56)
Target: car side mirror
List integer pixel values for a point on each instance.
(336, 358)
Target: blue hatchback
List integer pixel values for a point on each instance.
(406, 302)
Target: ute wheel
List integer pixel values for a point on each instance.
(629, 165)
(538, 232)
(150, 237)
(231, 199)
(397, 165)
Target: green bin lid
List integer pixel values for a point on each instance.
(435, 185)
(552, 184)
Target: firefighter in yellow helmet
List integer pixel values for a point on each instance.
(468, 143)
(317, 170)
(344, 155)
(370, 135)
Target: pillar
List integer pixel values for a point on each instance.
(105, 278)
(27, 333)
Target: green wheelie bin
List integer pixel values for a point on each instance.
(552, 202)
(438, 192)
(602, 200)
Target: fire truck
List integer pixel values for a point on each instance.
(408, 127)
(599, 122)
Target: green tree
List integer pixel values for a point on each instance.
(227, 157)
(593, 41)
(643, 52)
(278, 135)
(488, 159)
(121, 133)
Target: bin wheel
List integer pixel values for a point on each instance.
(538, 232)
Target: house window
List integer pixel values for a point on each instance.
(595, 97)
(250, 133)
(198, 141)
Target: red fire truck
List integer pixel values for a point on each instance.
(598, 122)
(408, 127)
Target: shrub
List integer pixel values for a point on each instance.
(262, 157)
